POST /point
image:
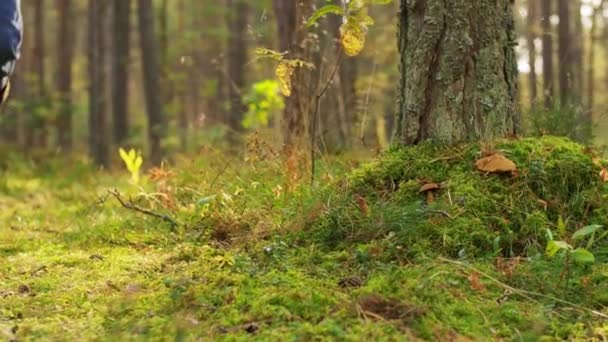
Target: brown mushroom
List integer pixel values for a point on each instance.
(496, 163)
(429, 190)
(604, 175)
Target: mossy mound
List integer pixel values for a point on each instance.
(556, 191)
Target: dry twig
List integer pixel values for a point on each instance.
(132, 206)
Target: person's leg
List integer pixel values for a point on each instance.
(5, 89)
(11, 34)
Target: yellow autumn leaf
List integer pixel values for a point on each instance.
(352, 39)
(284, 73)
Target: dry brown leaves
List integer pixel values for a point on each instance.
(362, 204)
(507, 266)
(476, 284)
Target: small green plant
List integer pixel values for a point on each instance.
(580, 255)
(133, 161)
(263, 102)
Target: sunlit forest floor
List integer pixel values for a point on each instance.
(254, 253)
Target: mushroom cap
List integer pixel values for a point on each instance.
(604, 175)
(496, 163)
(429, 187)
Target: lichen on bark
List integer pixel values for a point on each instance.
(458, 71)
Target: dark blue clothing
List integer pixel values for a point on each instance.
(11, 34)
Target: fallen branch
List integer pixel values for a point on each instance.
(131, 206)
(524, 293)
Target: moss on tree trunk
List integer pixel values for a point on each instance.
(458, 71)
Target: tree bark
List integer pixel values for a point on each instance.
(98, 99)
(291, 17)
(594, 38)
(65, 56)
(548, 63)
(532, 53)
(578, 39)
(120, 69)
(565, 53)
(181, 89)
(157, 124)
(40, 124)
(458, 71)
(285, 12)
(346, 96)
(237, 14)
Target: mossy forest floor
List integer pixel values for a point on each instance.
(257, 254)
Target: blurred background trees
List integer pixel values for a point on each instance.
(174, 76)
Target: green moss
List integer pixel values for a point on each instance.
(73, 267)
(474, 213)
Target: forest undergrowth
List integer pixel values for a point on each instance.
(226, 247)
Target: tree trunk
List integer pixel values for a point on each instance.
(163, 18)
(548, 64)
(594, 37)
(237, 13)
(346, 97)
(181, 88)
(531, 37)
(65, 55)
(578, 39)
(157, 124)
(565, 53)
(291, 17)
(120, 70)
(285, 12)
(40, 124)
(98, 99)
(458, 71)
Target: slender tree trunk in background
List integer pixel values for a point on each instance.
(195, 64)
(23, 91)
(157, 123)
(291, 17)
(40, 125)
(578, 39)
(285, 12)
(181, 88)
(565, 53)
(214, 60)
(166, 82)
(346, 79)
(121, 35)
(163, 18)
(332, 126)
(98, 99)
(237, 15)
(287, 22)
(460, 84)
(593, 38)
(548, 64)
(532, 34)
(65, 56)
